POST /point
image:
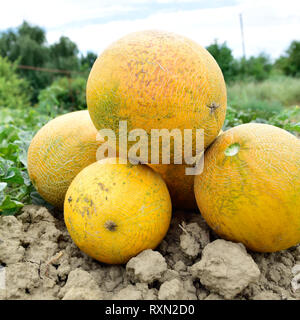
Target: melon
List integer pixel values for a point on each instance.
(114, 211)
(180, 185)
(59, 151)
(249, 190)
(157, 80)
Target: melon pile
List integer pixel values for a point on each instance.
(248, 191)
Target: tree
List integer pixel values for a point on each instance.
(27, 46)
(257, 68)
(290, 62)
(223, 55)
(14, 91)
(88, 60)
(64, 55)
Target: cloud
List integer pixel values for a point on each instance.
(268, 25)
(55, 13)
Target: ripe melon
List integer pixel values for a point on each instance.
(249, 190)
(115, 211)
(59, 151)
(180, 185)
(157, 80)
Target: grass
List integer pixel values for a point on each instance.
(267, 97)
(272, 101)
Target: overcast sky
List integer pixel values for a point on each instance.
(269, 25)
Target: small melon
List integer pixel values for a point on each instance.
(115, 211)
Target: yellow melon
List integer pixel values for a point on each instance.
(249, 190)
(59, 151)
(180, 185)
(157, 80)
(115, 211)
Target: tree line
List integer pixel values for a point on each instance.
(256, 68)
(27, 45)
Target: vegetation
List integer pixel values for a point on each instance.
(27, 46)
(64, 94)
(256, 68)
(289, 63)
(258, 91)
(14, 91)
(17, 128)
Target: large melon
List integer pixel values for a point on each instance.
(59, 151)
(157, 80)
(249, 190)
(115, 211)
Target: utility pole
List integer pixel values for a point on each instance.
(242, 34)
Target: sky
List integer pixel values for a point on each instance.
(269, 25)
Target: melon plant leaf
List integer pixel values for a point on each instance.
(23, 144)
(9, 206)
(293, 127)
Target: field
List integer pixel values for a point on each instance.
(41, 260)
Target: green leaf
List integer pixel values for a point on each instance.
(9, 206)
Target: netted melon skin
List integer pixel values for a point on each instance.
(249, 190)
(115, 211)
(59, 151)
(157, 80)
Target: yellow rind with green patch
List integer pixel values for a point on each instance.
(157, 80)
(59, 151)
(249, 190)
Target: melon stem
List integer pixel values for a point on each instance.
(110, 225)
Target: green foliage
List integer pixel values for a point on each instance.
(27, 46)
(64, 55)
(88, 60)
(288, 119)
(17, 128)
(14, 91)
(255, 68)
(223, 55)
(65, 94)
(290, 62)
